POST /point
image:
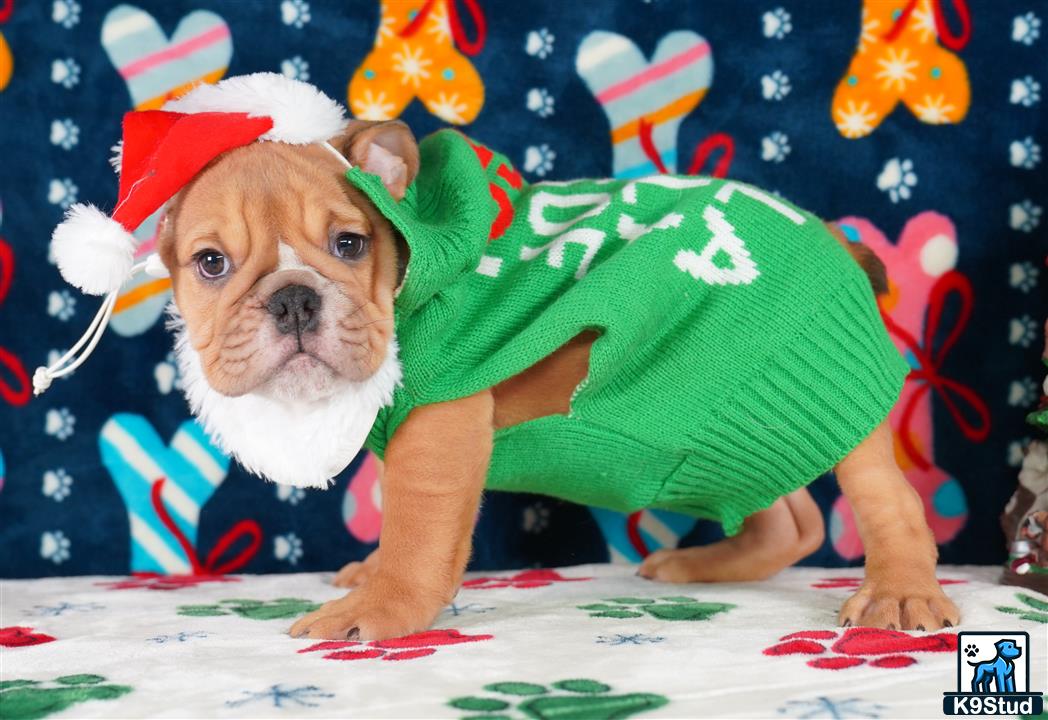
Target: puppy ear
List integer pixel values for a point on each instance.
(387, 149)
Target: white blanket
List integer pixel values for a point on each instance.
(580, 642)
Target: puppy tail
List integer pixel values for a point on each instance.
(867, 259)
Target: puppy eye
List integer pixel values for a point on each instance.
(212, 264)
(349, 246)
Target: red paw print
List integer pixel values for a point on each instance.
(853, 583)
(890, 647)
(404, 648)
(523, 579)
(156, 581)
(22, 636)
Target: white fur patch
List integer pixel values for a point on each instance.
(301, 444)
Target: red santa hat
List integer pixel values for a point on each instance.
(162, 150)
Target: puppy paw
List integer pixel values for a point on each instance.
(921, 606)
(371, 612)
(355, 574)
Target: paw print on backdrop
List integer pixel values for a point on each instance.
(1026, 28)
(645, 100)
(410, 647)
(420, 51)
(901, 57)
(886, 649)
(164, 488)
(574, 699)
(922, 282)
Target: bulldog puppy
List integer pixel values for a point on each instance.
(285, 278)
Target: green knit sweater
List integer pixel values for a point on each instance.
(740, 351)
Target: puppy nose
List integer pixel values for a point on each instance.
(295, 309)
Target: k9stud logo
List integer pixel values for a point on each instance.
(993, 676)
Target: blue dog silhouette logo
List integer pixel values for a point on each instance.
(997, 675)
(993, 675)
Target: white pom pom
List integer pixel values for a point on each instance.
(94, 252)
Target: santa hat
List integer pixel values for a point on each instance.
(161, 151)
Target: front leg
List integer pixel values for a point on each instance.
(900, 590)
(435, 468)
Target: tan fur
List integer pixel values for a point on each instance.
(437, 461)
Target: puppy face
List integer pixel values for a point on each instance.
(283, 273)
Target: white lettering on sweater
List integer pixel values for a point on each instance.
(590, 238)
(700, 266)
(629, 229)
(729, 188)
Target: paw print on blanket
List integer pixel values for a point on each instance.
(1030, 608)
(858, 646)
(408, 647)
(278, 609)
(18, 636)
(665, 608)
(525, 579)
(926, 310)
(577, 699)
(641, 96)
(27, 699)
(157, 68)
(164, 488)
(900, 57)
(415, 55)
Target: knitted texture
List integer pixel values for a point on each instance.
(740, 351)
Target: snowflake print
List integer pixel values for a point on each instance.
(854, 121)
(448, 108)
(61, 304)
(373, 107)
(536, 518)
(278, 695)
(57, 484)
(1023, 276)
(934, 110)
(64, 133)
(896, 69)
(295, 68)
(288, 548)
(775, 86)
(1025, 153)
(1022, 331)
(637, 639)
(295, 13)
(439, 25)
(824, 707)
(290, 494)
(775, 24)
(65, 13)
(1022, 393)
(1024, 216)
(59, 423)
(869, 32)
(179, 637)
(62, 608)
(775, 147)
(454, 609)
(62, 192)
(540, 102)
(385, 30)
(897, 178)
(54, 546)
(539, 43)
(65, 73)
(1025, 91)
(924, 22)
(167, 375)
(1026, 28)
(412, 65)
(1017, 452)
(539, 159)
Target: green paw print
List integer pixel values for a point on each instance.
(28, 699)
(666, 608)
(279, 609)
(576, 700)
(1036, 610)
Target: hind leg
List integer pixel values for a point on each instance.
(788, 531)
